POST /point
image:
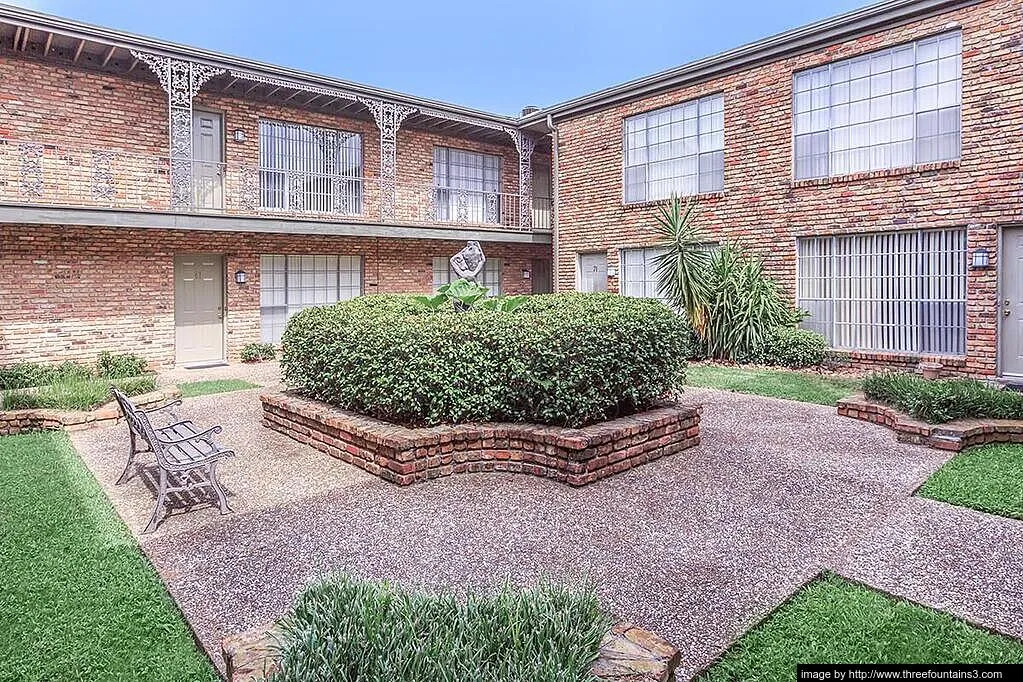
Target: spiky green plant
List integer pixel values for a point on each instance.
(682, 268)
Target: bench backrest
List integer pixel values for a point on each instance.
(140, 425)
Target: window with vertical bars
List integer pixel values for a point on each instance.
(892, 292)
(309, 169)
(468, 185)
(676, 150)
(288, 284)
(490, 277)
(892, 108)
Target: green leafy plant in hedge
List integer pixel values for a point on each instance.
(257, 352)
(560, 359)
(463, 294)
(942, 400)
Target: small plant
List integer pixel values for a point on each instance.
(74, 393)
(463, 294)
(31, 374)
(793, 347)
(113, 366)
(258, 352)
(943, 400)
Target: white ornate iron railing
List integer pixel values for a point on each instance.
(57, 175)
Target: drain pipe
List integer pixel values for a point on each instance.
(554, 202)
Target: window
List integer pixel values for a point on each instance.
(677, 150)
(289, 284)
(307, 169)
(888, 109)
(895, 291)
(468, 186)
(639, 268)
(490, 277)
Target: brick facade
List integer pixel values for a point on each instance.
(761, 206)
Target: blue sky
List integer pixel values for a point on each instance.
(495, 55)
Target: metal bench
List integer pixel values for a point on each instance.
(182, 450)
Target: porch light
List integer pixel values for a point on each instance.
(241, 277)
(525, 273)
(239, 136)
(981, 258)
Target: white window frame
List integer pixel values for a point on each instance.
(286, 282)
(458, 203)
(443, 274)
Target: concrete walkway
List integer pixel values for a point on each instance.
(697, 547)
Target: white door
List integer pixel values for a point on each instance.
(1011, 303)
(542, 197)
(208, 167)
(593, 271)
(198, 308)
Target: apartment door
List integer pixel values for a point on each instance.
(593, 271)
(542, 197)
(540, 271)
(1011, 302)
(208, 152)
(198, 308)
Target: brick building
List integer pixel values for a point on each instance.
(180, 203)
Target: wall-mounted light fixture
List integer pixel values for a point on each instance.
(525, 273)
(241, 277)
(981, 259)
(239, 136)
(612, 271)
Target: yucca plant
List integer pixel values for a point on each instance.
(682, 268)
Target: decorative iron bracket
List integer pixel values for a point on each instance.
(389, 117)
(525, 143)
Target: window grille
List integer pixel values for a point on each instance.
(891, 108)
(308, 169)
(490, 277)
(676, 150)
(289, 284)
(468, 186)
(890, 292)
(639, 270)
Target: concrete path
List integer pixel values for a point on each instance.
(697, 547)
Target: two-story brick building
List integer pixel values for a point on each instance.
(180, 203)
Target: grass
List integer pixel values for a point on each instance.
(78, 600)
(351, 630)
(834, 621)
(807, 387)
(74, 393)
(197, 388)
(988, 478)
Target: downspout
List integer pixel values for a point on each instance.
(554, 202)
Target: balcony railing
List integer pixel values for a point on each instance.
(57, 175)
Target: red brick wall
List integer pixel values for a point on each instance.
(70, 292)
(766, 211)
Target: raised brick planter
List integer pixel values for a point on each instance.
(627, 654)
(403, 456)
(22, 421)
(953, 436)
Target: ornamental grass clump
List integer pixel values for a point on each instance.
(943, 400)
(348, 630)
(559, 359)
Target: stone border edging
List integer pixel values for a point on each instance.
(953, 436)
(402, 455)
(627, 654)
(23, 421)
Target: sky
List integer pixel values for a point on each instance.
(495, 55)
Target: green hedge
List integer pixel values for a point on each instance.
(942, 400)
(75, 393)
(108, 366)
(793, 347)
(561, 359)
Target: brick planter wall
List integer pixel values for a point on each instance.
(23, 421)
(405, 456)
(954, 436)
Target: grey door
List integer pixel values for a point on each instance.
(198, 308)
(208, 167)
(1011, 302)
(593, 271)
(540, 271)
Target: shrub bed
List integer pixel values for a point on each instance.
(942, 400)
(559, 359)
(257, 352)
(74, 394)
(346, 629)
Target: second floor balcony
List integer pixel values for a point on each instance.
(41, 174)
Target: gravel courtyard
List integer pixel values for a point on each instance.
(697, 547)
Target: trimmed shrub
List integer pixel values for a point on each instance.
(560, 359)
(112, 366)
(942, 400)
(257, 352)
(793, 347)
(352, 630)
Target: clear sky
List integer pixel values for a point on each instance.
(495, 55)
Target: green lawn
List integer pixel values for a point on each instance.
(988, 478)
(808, 387)
(78, 600)
(834, 621)
(197, 388)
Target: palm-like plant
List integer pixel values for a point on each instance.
(683, 268)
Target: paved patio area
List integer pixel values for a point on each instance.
(697, 547)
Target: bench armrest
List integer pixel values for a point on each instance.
(205, 435)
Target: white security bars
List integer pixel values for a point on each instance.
(638, 272)
(676, 150)
(889, 292)
(490, 277)
(892, 108)
(289, 284)
(308, 169)
(468, 186)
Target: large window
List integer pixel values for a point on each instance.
(888, 109)
(289, 284)
(677, 150)
(311, 170)
(490, 277)
(639, 268)
(468, 186)
(895, 291)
